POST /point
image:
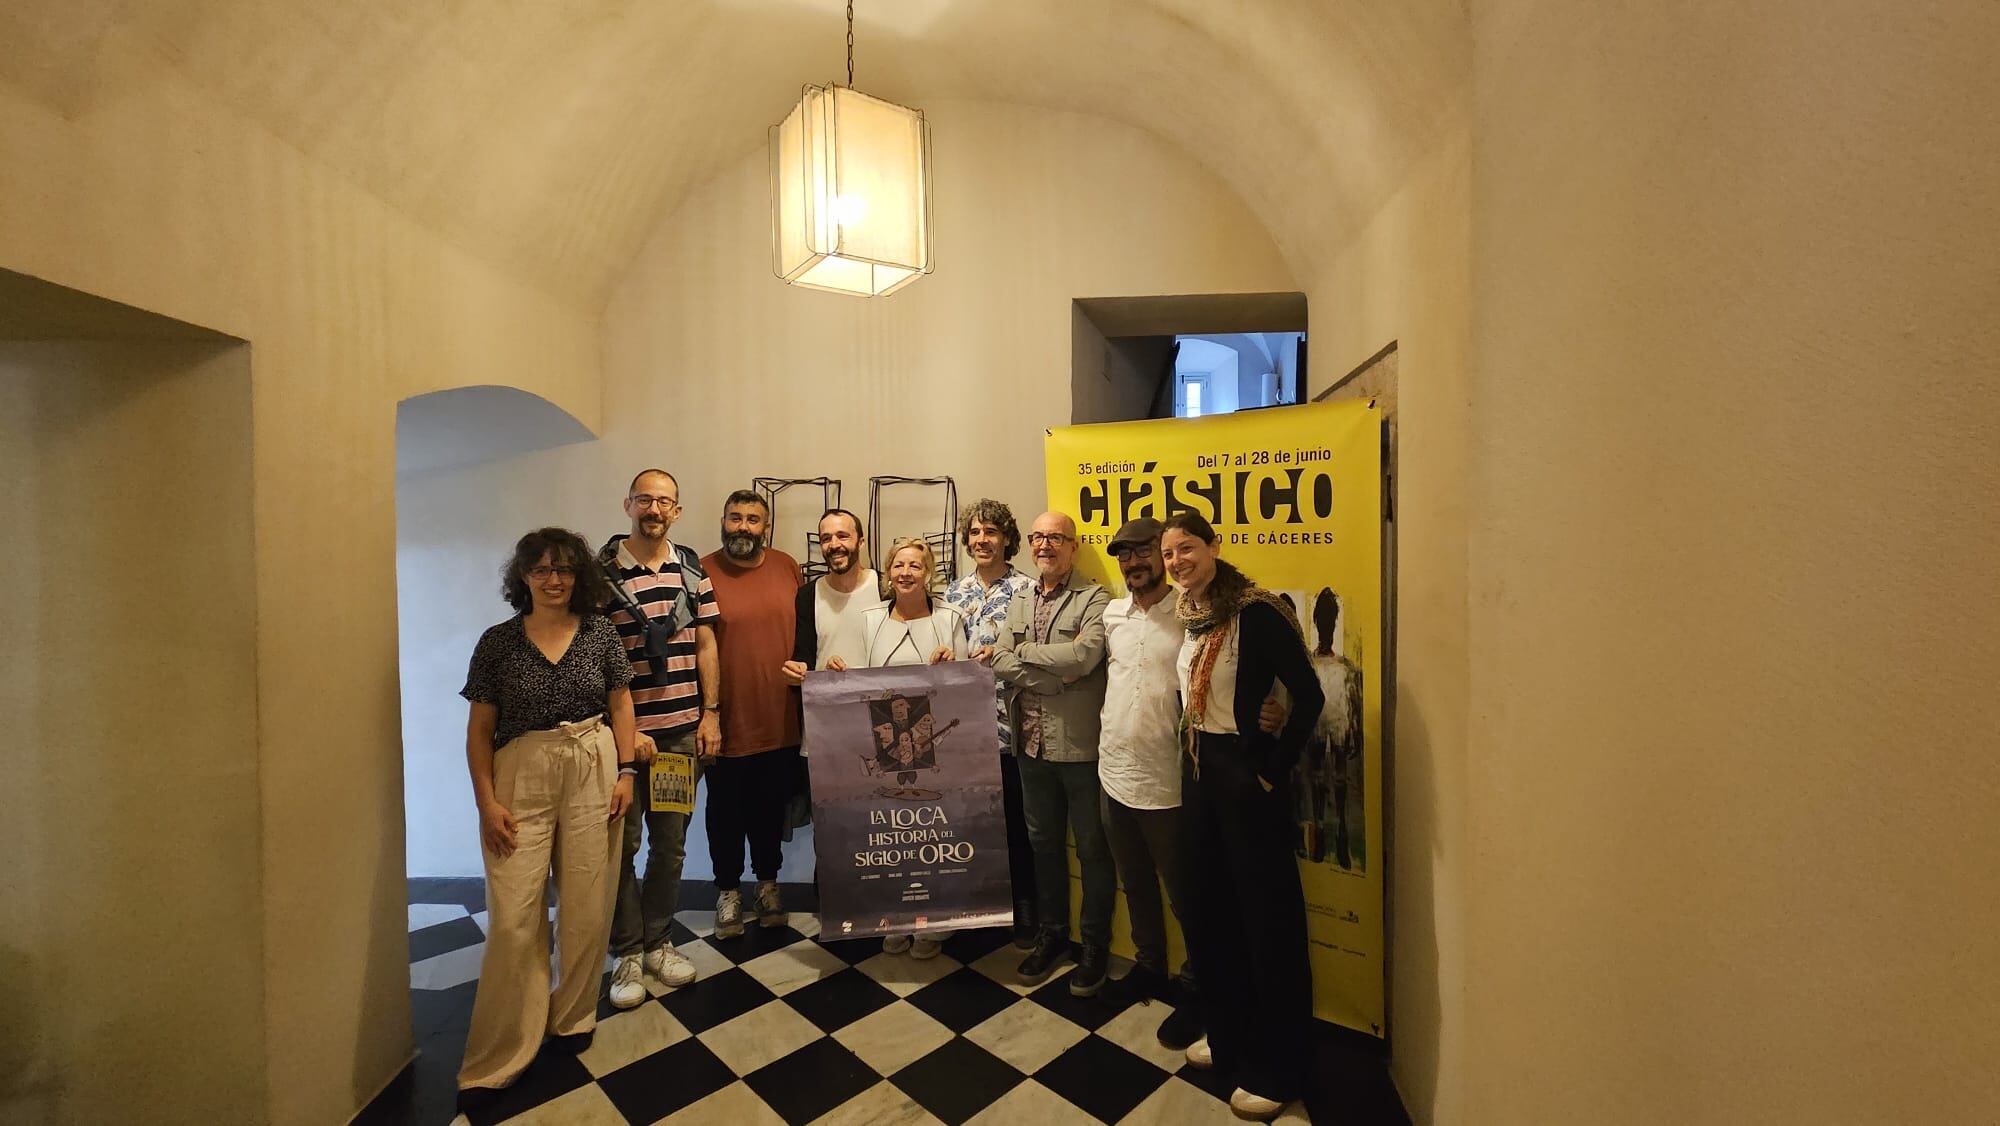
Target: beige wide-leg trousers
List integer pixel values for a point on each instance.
(557, 784)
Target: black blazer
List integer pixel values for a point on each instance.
(1269, 651)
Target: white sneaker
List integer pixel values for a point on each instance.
(1199, 1056)
(895, 943)
(1257, 1108)
(628, 982)
(669, 966)
(729, 914)
(925, 947)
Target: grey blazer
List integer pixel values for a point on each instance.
(1074, 654)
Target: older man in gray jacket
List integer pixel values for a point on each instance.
(1049, 658)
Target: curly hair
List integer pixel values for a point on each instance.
(588, 594)
(986, 510)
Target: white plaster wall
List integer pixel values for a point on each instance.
(1405, 278)
(1735, 524)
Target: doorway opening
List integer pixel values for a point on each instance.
(130, 685)
(1185, 356)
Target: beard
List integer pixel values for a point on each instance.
(841, 562)
(739, 545)
(1144, 583)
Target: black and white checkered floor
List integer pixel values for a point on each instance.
(782, 1029)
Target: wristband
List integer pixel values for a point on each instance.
(628, 770)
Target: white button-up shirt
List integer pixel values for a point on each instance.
(1138, 751)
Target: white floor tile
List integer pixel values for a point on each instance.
(903, 975)
(451, 968)
(629, 1036)
(1177, 1102)
(893, 1037)
(431, 914)
(1026, 1034)
(1137, 1031)
(884, 1104)
(794, 967)
(763, 1034)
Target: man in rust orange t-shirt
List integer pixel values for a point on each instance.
(749, 785)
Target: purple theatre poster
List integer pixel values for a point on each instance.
(907, 820)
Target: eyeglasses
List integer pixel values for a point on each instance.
(541, 574)
(1124, 551)
(1053, 539)
(643, 501)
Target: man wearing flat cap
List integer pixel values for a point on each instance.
(1138, 765)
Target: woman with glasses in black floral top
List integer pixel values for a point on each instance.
(552, 749)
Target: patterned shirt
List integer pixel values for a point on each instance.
(984, 609)
(534, 694)
(1038, 632)
(664, 700)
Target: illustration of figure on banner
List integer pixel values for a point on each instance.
(1327, 780)
(907, 740)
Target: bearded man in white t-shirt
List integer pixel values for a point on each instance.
(830, 608)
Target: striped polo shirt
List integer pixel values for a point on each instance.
(664, 700)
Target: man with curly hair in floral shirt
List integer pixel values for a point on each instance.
(992, 538)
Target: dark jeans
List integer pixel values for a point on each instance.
(1020, 853)
(645, 908)
(1146, 845)
(746, 801)
(1246, 920)
(1058, 796)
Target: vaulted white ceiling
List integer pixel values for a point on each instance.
(550, 135)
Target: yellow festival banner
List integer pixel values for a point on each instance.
(1296, 495)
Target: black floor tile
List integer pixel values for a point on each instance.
(812, 1081)
(853, 951)
(1349, 1080)
(466, 891)
(1101, 1077)
(754, 942)
(432, 1010)
(1090, 1012)
(552, 1075)
(400, 1104)
(713, 1000)
(963, 998)
(443, 938)
(649, 1089)
(837, 1001)
(957, 1080)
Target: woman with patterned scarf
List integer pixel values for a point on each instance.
(1247, 930)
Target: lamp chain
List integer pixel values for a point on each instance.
(850, 44)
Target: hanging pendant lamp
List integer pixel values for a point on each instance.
(850, 190)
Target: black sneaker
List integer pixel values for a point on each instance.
(1026, 928)
(1051, 948)
(1182, 1027)
(1088, 976)
(574, 1044)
